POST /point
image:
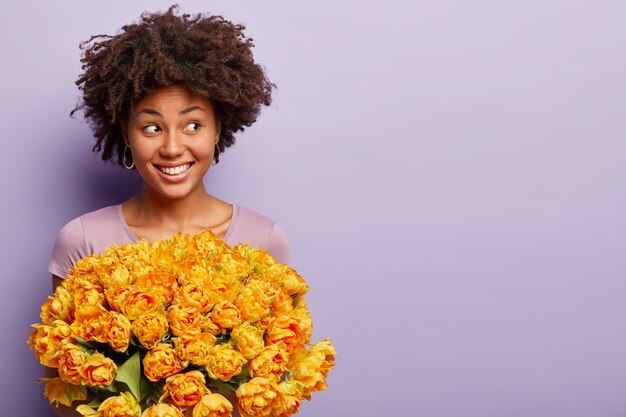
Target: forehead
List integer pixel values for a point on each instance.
(173, 98)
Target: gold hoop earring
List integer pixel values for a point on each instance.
(125, 161)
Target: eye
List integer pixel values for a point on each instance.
(192, 127)
(151, 129)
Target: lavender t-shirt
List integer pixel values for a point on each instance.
(92, 233)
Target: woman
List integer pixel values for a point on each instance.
(165, 97)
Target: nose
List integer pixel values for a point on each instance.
(173, 145)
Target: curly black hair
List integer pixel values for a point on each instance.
(205, 53)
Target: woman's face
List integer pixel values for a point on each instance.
(172, 135)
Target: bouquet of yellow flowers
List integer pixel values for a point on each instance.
(166, 328)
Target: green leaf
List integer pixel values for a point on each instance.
(95, 403)
(130, 374)
(221, 386)
(144, 386)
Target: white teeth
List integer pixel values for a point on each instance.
(175, 170)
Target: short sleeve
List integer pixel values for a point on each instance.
(68, 248)
(278, 245)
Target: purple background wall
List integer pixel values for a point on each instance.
(451, 176)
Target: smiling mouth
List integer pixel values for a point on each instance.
(177, 170)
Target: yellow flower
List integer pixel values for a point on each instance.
(58, 307)
(71, 361)
(137, 302)
(124, 405)
(257, 397)
(150, 328)
(286, 331)
(115, 296)
(258, 259)
(162, 410)
(312, 366)
(89, 296)
(270, 363)
(185, 320)
(248, 339)
(230, 263)
(289, 402)
(58, 392)
(287, 278)
(226, 315)
(161, 284)
(195, 295)
(281, 304)
(185, 389)
(88, 323)
(116, 330)
(225, 287)
(195, 348)
(209, 325)
(225, 362)
(161, 362)
(119, 277)
(253, 303)
(301, 313)
(46, 341)
(98, 370)
(325, 350)
(213, 405)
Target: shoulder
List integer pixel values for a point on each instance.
(86, 235)
(260, 231)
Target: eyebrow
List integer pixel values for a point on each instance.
(181, 113)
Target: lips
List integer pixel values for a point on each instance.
(174, 170)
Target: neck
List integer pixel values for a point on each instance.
(171, 213)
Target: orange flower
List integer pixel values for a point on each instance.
(258, 259)
(89, 296)
(286, 331)
(116, 330)
(71, 361)
(288, 279)
(281, 304)
(213, 405)
(225, 362)
(270, 363)
(326, 352)
(137, 302)
(195, 348)
(46, 341)
(115, 296)
(58, 392)
(302, 314)
(118, 277)
(226, 315)
(185, 320)
(289, 402)
(195, 295)
(248, 339)
(225, 287)
(88, 323)
(98, 370)
(257, 397)
(253, 302)
(162, 410)
(162, 284)
(161, 362)
(124, 405)
(58, 307)
(185, 389)
(312, 366)
(150, 328)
